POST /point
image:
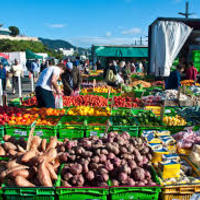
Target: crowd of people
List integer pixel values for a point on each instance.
(117, 72)
(47, 73)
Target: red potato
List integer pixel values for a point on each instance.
(90, 175)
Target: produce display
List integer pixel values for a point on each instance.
(174, 121)
(142, 83)
(124, 117)
(122, 159)
(126, 102)
(88, 145)
(151, 100)
(173, 95)
(85, 100)
(147, 118)
(36, 167)
(100, 89)
(89, 111)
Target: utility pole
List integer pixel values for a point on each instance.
(141, 42)
(186, 14)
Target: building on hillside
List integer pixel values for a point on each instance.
(67, 52)
(4, 31)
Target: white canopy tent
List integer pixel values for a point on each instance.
(166, 40)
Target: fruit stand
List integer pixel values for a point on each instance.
(104, 144)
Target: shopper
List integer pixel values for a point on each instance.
(47, 83)
(174, 80)
(35, 68)
(43, 66)
(71, 79)
(191, 72)
(17, 71)
(3, 77)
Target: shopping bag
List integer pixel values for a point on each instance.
(59, 101)
(8, 84)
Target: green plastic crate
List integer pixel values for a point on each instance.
(79, 193)
(82, 193)
(2, 131)
(95, 131)
(71, 131)
(36, 193)
(1, 193)
(133, 131)
(137, 193)
(17, 130)
(46, 131)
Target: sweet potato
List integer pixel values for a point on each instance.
(48, 156)
(6, 138)
(8, 171)
(12, 152)
(35, 143)
(23, 173)
(2, 151)
(28, 156)
(23, 182)
(9, 146)
(12, 164)
(52, 143)
(21, 149)
(44, 175)
(52, 172)
(44, 145)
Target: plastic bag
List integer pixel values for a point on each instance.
(59, 101)
(8, 84)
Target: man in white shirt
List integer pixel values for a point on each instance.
(17, 70)
(46, 83)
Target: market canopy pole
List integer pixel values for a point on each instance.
(20, 86)
(1, 93)
(32, 83)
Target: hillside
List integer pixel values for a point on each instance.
(56, 44)
(22, 45)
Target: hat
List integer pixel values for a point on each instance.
(69, 65)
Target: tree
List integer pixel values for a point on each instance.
(14, 30)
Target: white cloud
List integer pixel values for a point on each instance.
(108, 34)
(131, 31)
(56, 25)
(89, 41)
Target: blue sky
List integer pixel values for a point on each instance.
(85, 22)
